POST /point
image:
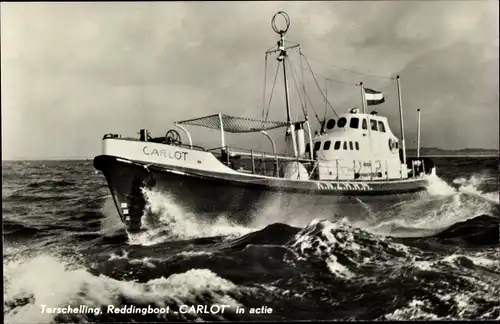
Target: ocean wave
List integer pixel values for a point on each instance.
(431, 257)
(165, 220)
(51, 183)
(31, 283)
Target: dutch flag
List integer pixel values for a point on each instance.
(373, 97)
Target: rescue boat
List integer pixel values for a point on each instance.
(351, 162)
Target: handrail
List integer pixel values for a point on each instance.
(268, 156)
(271, 140)
(187, 133)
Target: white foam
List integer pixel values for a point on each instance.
(111, 223)
(147, 261)
(144, 261)
(423, 265)
(439, 187)
(336, 268)
(167, 220)
(194, 253)
(414, 310)
(115, 256)
(472, 185)
(429, 215)
(324, 238)
(484, 262)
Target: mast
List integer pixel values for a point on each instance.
(222, 139)
(309, 134)
(363, 98)
(418, 134)
(282, 58)
(403, 145)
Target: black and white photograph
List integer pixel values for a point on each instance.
(178, 161)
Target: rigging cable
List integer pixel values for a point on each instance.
(296, 87)
(352, 71)
(303, 83)
(319, 88)
(333, 80)
(272, 90)
(326, 91)
(312, 106)
(305, 93)
(264, 91)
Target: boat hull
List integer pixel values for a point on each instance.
(243, 197)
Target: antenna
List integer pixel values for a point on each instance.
(287, 22)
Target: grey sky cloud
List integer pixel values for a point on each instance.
(74, 71)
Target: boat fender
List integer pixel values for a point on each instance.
(393, 145)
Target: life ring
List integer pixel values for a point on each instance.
(393, 145)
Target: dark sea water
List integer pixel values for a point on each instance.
(434, 257)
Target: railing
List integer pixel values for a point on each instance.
(264, 163)
(358, 170)
(270, 164)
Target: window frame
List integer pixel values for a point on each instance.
(325, 148)
(344, 120)
(328, 122)
(356, 119)
(381, 129)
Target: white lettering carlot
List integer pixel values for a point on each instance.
(163, 154)
(177, 155)
(203, 309)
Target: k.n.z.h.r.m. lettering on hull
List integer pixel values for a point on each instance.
(343, 186)
(174, 155)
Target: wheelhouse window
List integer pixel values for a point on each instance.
(373, 124)
(337, 145)
(354, 123)
(381, 126)
(317, 145)
(364, 124)
(345, 146)
(350, 146)
(342, 121)
(326, 147)
(330, 124)
(357, 146)
(308, 147)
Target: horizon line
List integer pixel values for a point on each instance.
(91, 158)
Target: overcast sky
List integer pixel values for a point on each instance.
(72, 72)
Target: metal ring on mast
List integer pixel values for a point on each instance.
(287, 22)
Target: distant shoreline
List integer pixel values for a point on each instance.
(413, 155)
(453, 155)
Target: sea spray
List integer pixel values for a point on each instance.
(165, 220)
